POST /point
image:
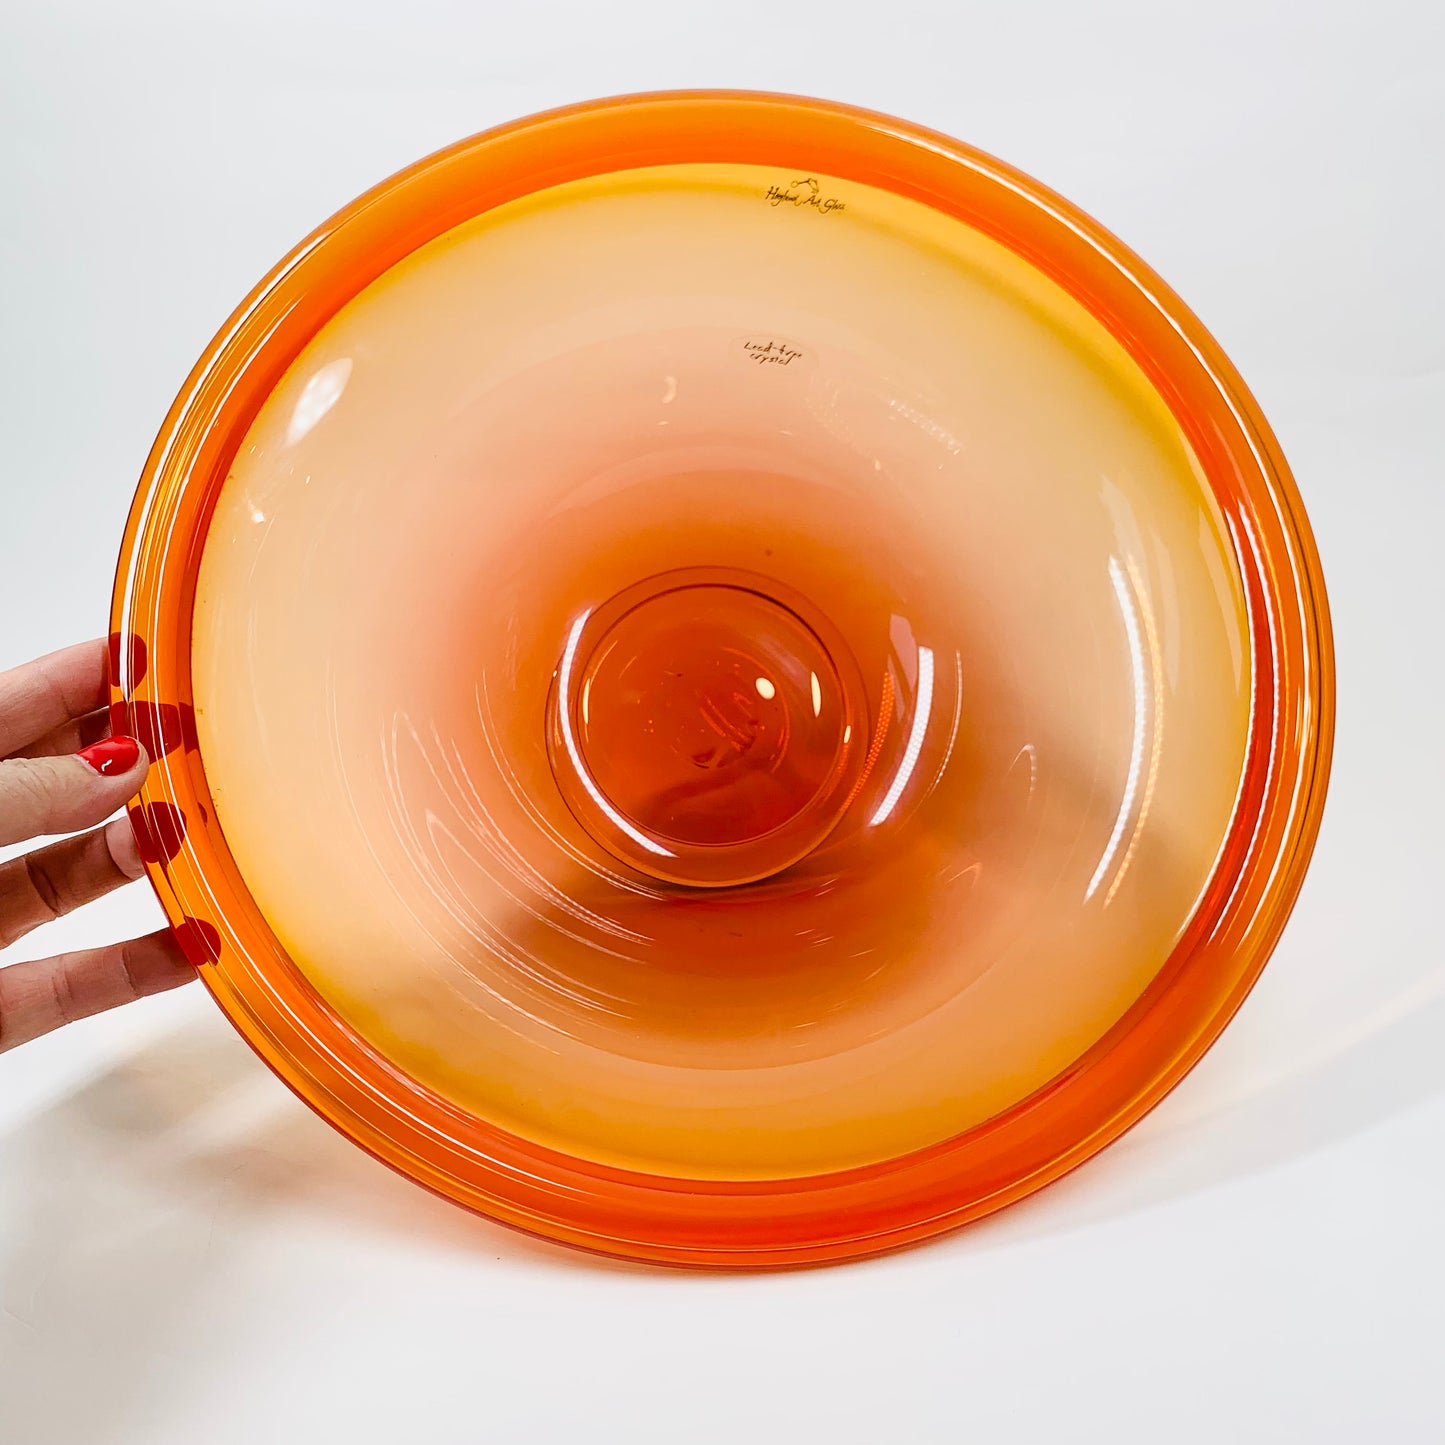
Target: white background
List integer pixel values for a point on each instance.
(187, 1255)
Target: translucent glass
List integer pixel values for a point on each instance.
(718, 689)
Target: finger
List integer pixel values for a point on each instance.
(44, 885)
(40, 696)
(40, 996)
(70, 737)
(61, 795)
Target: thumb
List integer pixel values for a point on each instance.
(64, 794)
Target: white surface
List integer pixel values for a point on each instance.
(187, 1255)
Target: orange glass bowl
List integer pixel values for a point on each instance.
(655, 1152)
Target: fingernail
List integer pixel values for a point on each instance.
(111, 756)
(198, 940)
(124, 848)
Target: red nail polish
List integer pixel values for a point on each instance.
(159, 828)
(198, 940)
(137, 650)
(111, 756)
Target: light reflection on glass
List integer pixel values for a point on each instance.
(922, 707)
(1148, 689)
(569, 741)
(320, 394)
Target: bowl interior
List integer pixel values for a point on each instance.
(721, 673)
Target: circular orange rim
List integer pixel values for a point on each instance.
(680, 1221)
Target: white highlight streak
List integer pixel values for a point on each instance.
(1136, 757)
(922, 707)
(564, 691)
(319, 395)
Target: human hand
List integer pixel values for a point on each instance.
(62, 771)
